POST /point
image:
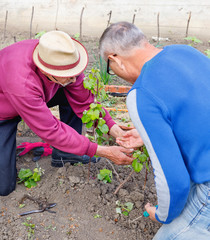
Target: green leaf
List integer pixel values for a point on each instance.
(101, 122)
(129, 205)
(39, 34)
(118, 210)
(103, 113)
(36, 177)
(145, 151)
(104, 128)
(105, 175)
(24, 173)
(143, 158)
(125, 213)
(89, 124)
(137, 166)
(99, 132)
(95, 115)
(86, 118)
(93, 105)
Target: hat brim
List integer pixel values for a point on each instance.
(65, 73)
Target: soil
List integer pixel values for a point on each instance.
(86, 207)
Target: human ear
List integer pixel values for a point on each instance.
(116, 59)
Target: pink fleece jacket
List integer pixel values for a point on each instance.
(24, 91)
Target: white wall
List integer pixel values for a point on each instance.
(65, 15)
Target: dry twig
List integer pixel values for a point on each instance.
(122, 183)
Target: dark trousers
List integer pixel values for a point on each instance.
(8, 129)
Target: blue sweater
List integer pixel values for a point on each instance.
(169, 105)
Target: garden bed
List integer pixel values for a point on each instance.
(86, 208)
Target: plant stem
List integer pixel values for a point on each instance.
(117, 175)
(122, 183)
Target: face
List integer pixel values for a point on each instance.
(63, 81)
(122, 67)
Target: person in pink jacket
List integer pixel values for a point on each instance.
(36, 75)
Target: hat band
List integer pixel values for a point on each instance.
(64, 67)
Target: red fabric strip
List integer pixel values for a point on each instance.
(65, 67)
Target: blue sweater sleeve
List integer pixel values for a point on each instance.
(172, 180)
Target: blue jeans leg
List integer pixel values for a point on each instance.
(194, 221)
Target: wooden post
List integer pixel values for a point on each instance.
(56, 16)
(188, 23)
(80, 29)
(134, 16)
(5, 24)
(32, 15)
(158, 28)
(110, 15)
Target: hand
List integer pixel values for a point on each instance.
(130, 139)
(116, 131)
(151, 210)
(116, 154)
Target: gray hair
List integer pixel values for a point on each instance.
(119, 38)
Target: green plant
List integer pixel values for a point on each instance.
(39, 34)
(105, 175)
(207, 52)
(30, 178)
(124, 208)
(101, 64)
(193, 40)
(94, 116)
(97, 216)
(94, 83)
(77, 36)
(30, 228)
(140, 158)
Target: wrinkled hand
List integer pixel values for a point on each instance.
(116, 154)
(130, 139)
(151, 210)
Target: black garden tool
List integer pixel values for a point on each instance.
(43, 205)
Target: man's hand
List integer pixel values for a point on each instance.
(151, 210)
(130, 139)
(116, 154)
(116, 131)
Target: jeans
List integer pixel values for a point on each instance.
(194, 221)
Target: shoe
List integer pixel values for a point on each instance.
(59, 158)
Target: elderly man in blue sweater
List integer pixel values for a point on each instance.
(169, 105)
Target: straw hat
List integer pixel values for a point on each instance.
(60, 55)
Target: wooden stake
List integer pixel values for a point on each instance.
(134, 16)
(80, 31)
(5, 24)
(188, 23)
(158, 28)
(32, 15)
(110, 15)
(56, 16)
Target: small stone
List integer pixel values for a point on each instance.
(123, 193)
(74, 179)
